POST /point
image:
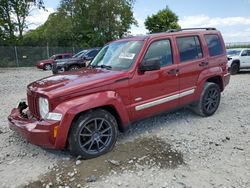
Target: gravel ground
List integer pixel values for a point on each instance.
(178, 149)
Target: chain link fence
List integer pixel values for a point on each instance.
(26, 56)
(238, 45)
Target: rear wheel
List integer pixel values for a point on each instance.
(209, 100)
(93, 134)
(234, 69)
(47, 67)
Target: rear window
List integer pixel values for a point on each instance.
(189, 48)
(214, 45)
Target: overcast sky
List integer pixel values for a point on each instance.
(231, 17)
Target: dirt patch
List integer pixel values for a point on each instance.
(145, 152)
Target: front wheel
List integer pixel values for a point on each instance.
(93, 134)
(235, 68)
(209, 100)
(47, 67)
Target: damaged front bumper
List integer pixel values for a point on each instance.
(38, 132)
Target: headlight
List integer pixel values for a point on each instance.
(43, 107)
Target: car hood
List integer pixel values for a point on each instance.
(74, 81)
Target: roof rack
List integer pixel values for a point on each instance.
(187, 29)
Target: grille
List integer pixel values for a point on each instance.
(33, 105)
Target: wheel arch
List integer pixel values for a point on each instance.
(217, 80)
(236, 61)
(110, 101)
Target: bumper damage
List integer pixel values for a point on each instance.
(38, 132)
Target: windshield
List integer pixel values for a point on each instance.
(79, 54)
(233, 52)
(117, 55)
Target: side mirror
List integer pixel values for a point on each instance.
(150, 65)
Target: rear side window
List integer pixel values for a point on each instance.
(160, 50)
(189, 48)
(214, 45)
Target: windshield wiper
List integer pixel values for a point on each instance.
(102, 66)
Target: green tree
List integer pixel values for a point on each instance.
(84, 23)
(162, 21)
(13, 14)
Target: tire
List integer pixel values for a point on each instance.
(234, 69)
(93, 134)
(73, 67)
(47, 67)
(209, 100)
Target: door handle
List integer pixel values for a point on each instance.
(173, 71)
(202, 64)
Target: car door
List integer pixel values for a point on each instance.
(155, 91)
(192, 61)
(245, 58)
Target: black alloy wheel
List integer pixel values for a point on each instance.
(93, 134)
(209, 100)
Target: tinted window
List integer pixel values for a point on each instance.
(67, 56)
(189, 48)
(245, 53)
(92, 53)
(59, 57)
(214, 45)
(160, 50)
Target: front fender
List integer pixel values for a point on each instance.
(204, 76)
(69, 109)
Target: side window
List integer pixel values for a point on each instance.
(189, 48)
(245, 53)
(66, 56)
(92, 53)
(160, 50)
(214, 45)
(59, 57)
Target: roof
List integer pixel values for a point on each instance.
(169, 32)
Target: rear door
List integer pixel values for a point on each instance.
(155, 91)
(192, 61)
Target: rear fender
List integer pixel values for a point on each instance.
(204, 76)
(69, 110)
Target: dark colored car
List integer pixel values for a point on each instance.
(79, 60)
(129, 79)
(46, 64)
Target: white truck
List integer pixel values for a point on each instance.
(238, 58)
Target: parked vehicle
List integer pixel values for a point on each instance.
(76, 62)
(238, 58)
(130, 79)
(46, 64)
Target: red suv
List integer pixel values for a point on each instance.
(129, 79)
(46, 64)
